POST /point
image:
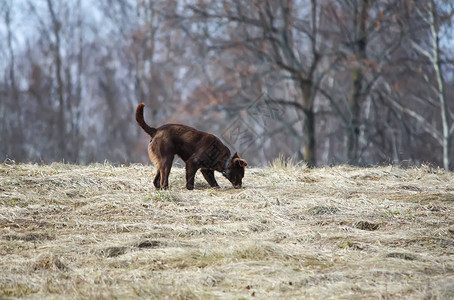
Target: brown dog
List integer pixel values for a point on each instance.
(199, 150)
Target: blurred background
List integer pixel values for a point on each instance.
(362, 82)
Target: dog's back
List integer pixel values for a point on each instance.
(186, 141)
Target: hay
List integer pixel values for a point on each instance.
(103, 231)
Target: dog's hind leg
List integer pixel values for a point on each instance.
(156, 162)
(165, 166)
(157, 180)
(209, 177)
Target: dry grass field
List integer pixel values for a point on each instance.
(103, 231)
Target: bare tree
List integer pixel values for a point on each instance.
(284, 34)
(433, 19)
(366, 39)
(58, 68)
(12, 129)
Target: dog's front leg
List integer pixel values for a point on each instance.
(191, 169)
(209, 177)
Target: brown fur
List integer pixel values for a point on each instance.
(199, 150)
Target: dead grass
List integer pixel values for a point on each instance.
(102, 231)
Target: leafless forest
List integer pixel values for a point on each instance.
(363, 82)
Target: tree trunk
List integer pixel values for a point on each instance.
(353, 129)
(446, 137)
(77, 139)
(359, 50)
(61, 130)
(309, 152)
(15, 138)
(309, 133)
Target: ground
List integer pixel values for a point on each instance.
(103, 231)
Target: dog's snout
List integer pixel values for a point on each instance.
(238, 186)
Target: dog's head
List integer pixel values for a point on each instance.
(234, 171)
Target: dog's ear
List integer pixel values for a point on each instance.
(240, 162)
(235, 156)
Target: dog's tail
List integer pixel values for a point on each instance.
(139, 118)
